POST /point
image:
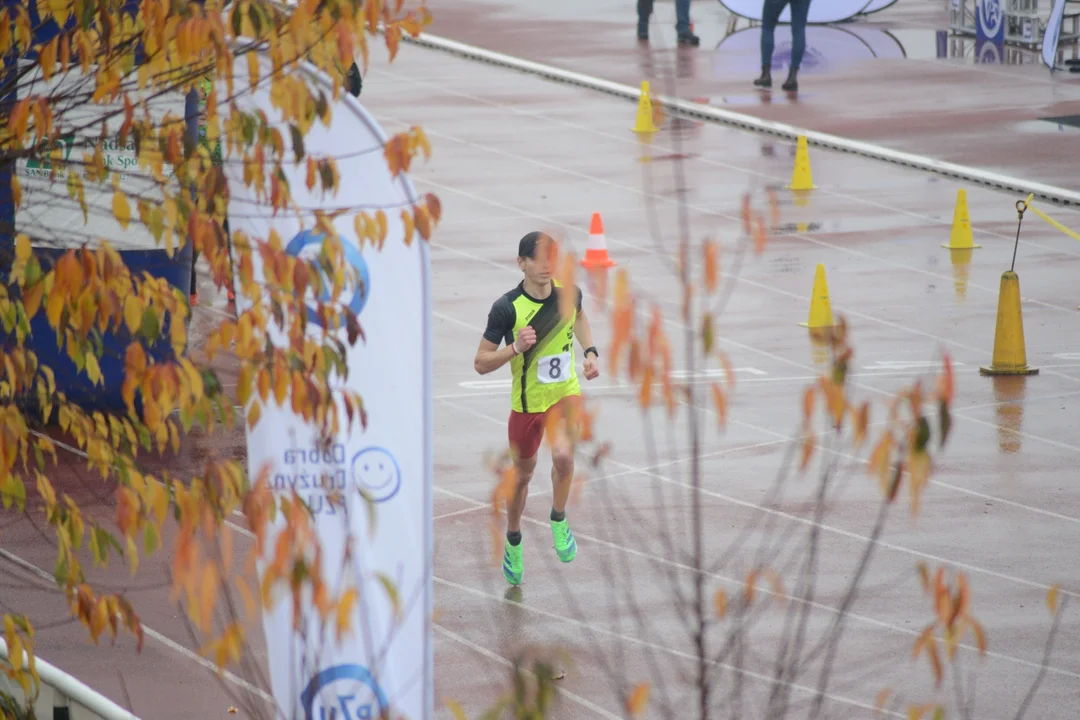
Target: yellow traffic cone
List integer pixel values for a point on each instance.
(820, 307)
(1010, 356)
(644, 123)
(801, 177)
(961, 238)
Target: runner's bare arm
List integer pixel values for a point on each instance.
(490, 357)
(583, 332)
(500, 325)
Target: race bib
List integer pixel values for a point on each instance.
(553, 368)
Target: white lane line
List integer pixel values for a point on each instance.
(614, 546)
(653, 646)
(612, 476)
(810, 523)
(663, 147)
(506, 663)
(154, 634)
(938, 482)
(736, 583)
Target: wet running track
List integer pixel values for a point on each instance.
(515, 153)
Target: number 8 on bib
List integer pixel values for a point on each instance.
(553, 368)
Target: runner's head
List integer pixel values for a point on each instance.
(535, 257)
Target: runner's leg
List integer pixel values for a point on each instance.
(562, 476)
(525, 432)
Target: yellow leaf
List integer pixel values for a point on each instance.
(121, 208)
(456, 710)
(22, 248)
(54, 306)
(253, 415)
(93, 370)
(343, 615)
(638, 699)
(16, 190)
(1052, 599)
(407, 219)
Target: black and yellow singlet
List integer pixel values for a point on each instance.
(545, 373)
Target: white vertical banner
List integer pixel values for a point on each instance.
(386, 661)
(1052, 33)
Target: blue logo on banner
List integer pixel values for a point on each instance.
(352, 256)
(354, 695)
(990, 21)
(377, 472)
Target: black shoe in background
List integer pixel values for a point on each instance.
(355, 82)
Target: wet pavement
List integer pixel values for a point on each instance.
(513, 153)
(895, 78)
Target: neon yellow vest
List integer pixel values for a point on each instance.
(545, 373)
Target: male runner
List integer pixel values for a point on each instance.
(540, 349)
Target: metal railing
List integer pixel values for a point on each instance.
(62, 697)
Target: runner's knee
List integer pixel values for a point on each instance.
(525, 468)
(563, 460)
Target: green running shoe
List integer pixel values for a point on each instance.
(565, 544)
(513, 566)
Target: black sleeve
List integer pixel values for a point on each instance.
(500, 321)
(579, 296)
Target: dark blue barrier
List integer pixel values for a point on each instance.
(69, 380)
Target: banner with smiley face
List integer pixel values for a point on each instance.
(385, 663)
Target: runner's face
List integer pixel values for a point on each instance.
(537, 269)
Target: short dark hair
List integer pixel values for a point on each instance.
(527, 244)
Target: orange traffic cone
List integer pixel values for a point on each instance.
(596, 254)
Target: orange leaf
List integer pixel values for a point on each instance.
(807, 451)
(407, 219)
(759, 234)
(946, 382)
(880, 700)
(638, 700)
(422, 221)
(808, 403)
(980, 636)
(879, 458)
(751, 583)
(861, 422)
(712, 266)
(729, 371)
(924, 576)
(721, 404)
(434, 206)
(645, 392)
(720, 602)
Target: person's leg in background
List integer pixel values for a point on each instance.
(800, 9)
(644, 11)
(682, 24)
(682, 21)
(770, 14)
